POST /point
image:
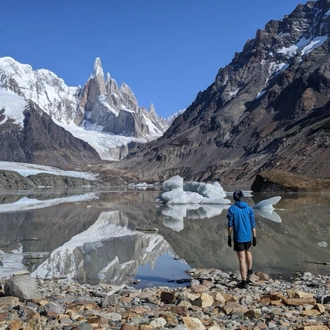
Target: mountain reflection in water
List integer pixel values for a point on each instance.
(91, 236)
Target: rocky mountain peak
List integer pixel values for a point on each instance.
(129, 99)
(267, 108)
(152, 108)
(100, 107)
(98, 77)
(113, 110)
(98, 69)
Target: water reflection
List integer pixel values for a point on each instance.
(268, 214)
(91, 237)
(107, 251)
(175, 214)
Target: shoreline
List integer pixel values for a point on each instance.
(210, 301)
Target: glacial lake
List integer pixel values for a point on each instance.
(124, 236)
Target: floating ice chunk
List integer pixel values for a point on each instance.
(205, 189)
(177, 192)
(191, 186)
(140, 185)
(174, 197)
(211, 190)
(267, 203)
(193, 197)
(176, 182)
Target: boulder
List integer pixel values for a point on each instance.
(282, 181)
(23, 287)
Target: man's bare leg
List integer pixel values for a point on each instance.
(248, 256)
(242, 264)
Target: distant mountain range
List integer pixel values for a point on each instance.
(108, 118)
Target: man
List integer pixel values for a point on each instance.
(242, 225)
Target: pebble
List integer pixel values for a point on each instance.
(210, 301)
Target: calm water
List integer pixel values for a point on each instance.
(105, 236)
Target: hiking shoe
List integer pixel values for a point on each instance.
(242, 285)
(249, 274)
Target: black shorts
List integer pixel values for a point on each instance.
(238, 246)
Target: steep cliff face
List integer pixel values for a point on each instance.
(29, 135)
(268, 108)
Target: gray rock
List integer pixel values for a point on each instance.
(23, 287)
(83, 326)
(52, 307)
(180, 327)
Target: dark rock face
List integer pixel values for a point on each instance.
(13, 180)
(280, 181)
(268, 109)
(41, 141)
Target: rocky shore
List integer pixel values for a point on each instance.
(211, 301)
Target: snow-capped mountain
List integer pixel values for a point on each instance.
(42, 87)
(268, 108)
(116, 110)
(101, 114)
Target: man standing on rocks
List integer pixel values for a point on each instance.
(242, 225)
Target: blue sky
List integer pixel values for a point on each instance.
(165, 50)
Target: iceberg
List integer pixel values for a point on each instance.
(175, 191)
(267, 203)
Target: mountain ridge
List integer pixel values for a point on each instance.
(266, 109)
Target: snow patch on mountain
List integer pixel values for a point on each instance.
(107, 145)
(12, 106)
(304, 46)
(170, 119)
(26, 169)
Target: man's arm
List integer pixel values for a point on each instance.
(253, 226)
(230, 218)
(252, 222)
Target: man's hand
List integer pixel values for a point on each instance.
(254, 241)
(229, 241)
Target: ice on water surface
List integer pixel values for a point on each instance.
(175, 191)
(199, 200)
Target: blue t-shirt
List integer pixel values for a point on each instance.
(241, 218)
